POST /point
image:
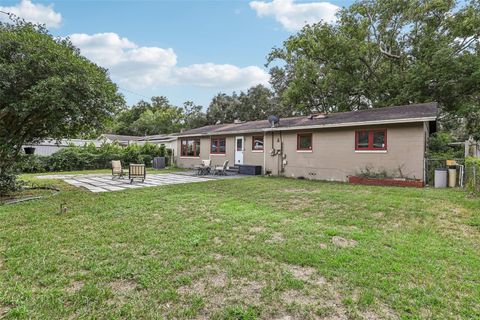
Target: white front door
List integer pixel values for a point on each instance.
(239, 141)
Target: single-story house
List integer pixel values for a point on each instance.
(320, 146)
(50, 146)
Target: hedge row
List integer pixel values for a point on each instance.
(91, 157)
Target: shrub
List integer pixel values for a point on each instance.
(8, 182)
(91, 157)
(439, 147)
(472, 173)
(31, 163)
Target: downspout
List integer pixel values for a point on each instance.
(264, 153)
(280, 155)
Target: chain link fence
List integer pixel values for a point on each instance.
(472, 176)
(432, 164)
(468, 173)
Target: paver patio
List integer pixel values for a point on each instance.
(105, 183)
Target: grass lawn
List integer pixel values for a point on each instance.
(243, 249)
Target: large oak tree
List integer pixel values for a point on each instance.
(47, 90)
(382, 53)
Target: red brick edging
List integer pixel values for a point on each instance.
(385, 182)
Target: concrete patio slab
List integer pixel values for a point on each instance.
(105, 183)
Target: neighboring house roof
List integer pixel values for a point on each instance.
(159, 137)
(399, 114)
(65, 142)
(118, 137)
(123, 138)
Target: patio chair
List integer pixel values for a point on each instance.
(117, 170)
(204, 168)
(136, 171)
(221, 170)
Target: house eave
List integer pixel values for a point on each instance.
(354, 124)
(319, 126)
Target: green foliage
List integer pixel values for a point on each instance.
(148, 118)
(439, 147)
(383, 53)
(381, 173)
(472, 169)
(47, 90)
(194, 117)
(370, 172)
(89, 157)
(8, 182)
(256, 104)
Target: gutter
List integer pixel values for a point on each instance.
(319, 126)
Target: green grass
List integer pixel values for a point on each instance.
(242, 249)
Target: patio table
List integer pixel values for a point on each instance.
(202, 170)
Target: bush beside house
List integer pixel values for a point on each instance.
(91, 157)
(472, 170)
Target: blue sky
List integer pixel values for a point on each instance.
(185, 50)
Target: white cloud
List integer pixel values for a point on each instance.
(293, 16)
(36, 13)
(142, 67)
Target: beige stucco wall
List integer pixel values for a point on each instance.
(333, 156)
(217, 159)
(249, 156)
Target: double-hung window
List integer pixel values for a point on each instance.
(218, 145)
(257, 143)
(190, 148)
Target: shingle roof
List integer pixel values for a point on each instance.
(398, 114)
(118, 137)
(163, 137)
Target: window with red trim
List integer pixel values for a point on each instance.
(304, 142)
(257, 143)
(190, 148)
(375, 139)
(218, 145)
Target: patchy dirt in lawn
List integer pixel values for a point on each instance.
(318, 298)
(381, 312)
(298, 297)
(299, 272)
(277, 237)
(318, 294)
(371, 315)
(75, 286)
(378, 214)
(292, 190)
(295, 204)
(344, 243)
(257, 229)
(218, 289)
(123, 286)
(217, 241)
(4, 310)
(452, 221)
(217, 256)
